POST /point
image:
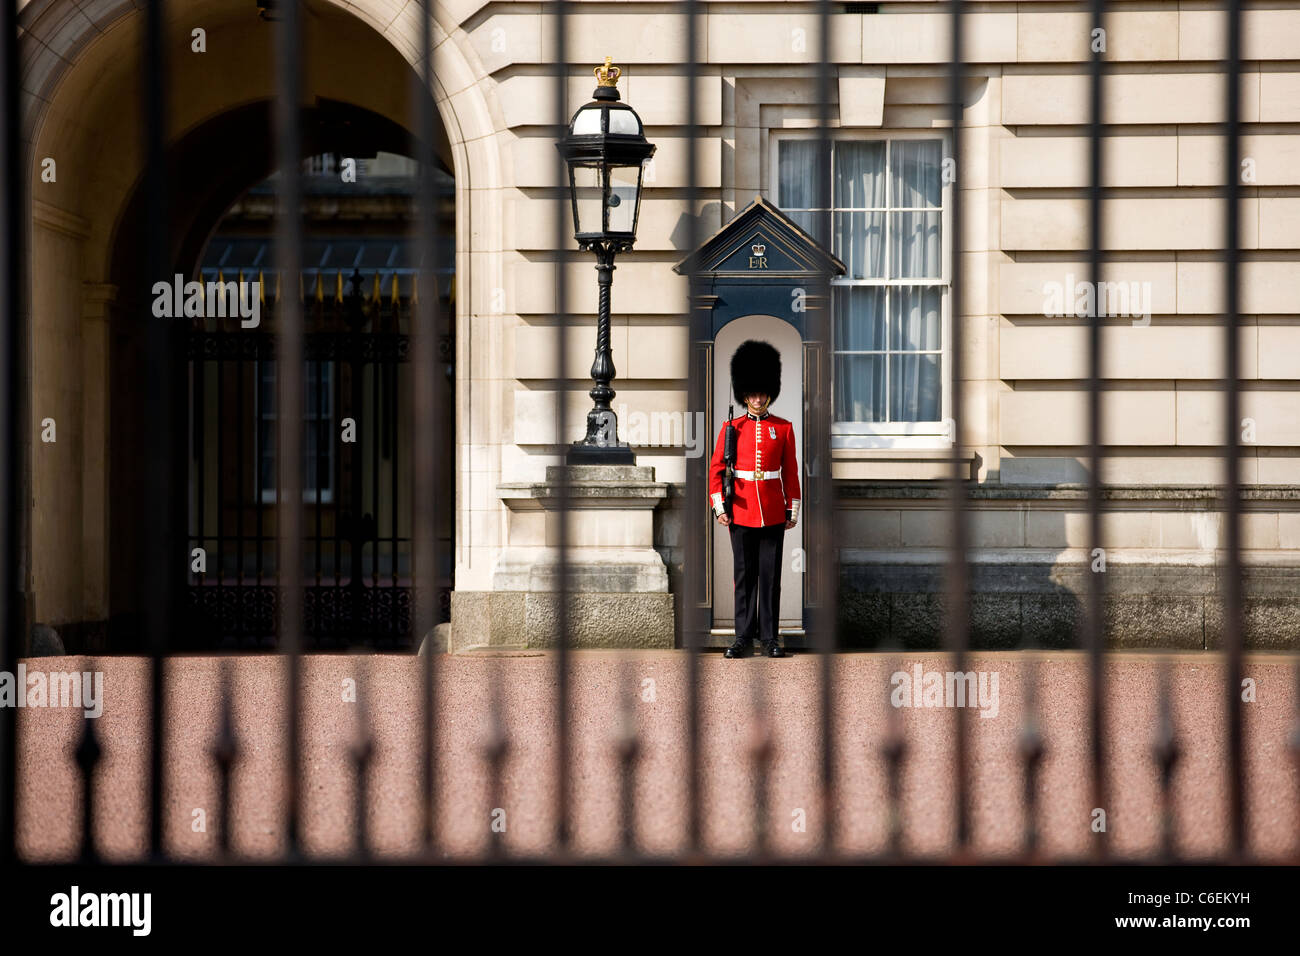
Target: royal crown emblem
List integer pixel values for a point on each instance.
(759, 248)
(608, 74)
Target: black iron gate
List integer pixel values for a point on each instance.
(347, 358)
(356, 470)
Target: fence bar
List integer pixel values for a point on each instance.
(363, 752)
(1293, 742)
(161, 547)
(260, 456)
(376, 372)
(429, 432)
(1232, 594)
(1094, 621)
(224, 751)
(958, 572)
(240, 440)
(563, 794)
(825, 568)
(1031, 755)
(894, 749)
(88, 755)
(222, 425)
(198, 436)
(320, 436)
(699, 523)
(628, 750)
(289, 363)
(1166, 752)
(13, 287)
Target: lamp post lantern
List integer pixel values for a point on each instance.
(606, 150)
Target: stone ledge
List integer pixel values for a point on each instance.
(1069, 559)
(1150, 606)
(597, 570)
(937, 490)
(587, 483)
(515, 491)
(529, 620)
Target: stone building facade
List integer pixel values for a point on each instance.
(1022, 184)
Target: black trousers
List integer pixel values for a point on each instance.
(757, 579)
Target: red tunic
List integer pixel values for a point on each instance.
(766, 445)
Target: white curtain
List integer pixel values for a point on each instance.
(860, 326)
(859, 186)
(916, 325)
(887, 366)
(796, 181)
(915, 185)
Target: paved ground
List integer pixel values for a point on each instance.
(651, 686)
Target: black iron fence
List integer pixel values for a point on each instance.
(299, 356)
(357, 471)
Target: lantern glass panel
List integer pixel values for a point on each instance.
(623, 122)
(588, 199)
(587, 122)
(624, 185)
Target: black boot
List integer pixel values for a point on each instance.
(740, 647)
(773, 649)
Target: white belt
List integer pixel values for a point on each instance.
(757, 475)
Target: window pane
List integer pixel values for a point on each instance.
(859, 243)
(623, 122)
(859, 388)
(589, 196)
(587, 122)
(914, 245)
(623, 183)
(342, 255)
(914, 167)
(318, 383)
(914, 388)
(806, 220)
(859, 175)
(915, 319)
(376, 254)
(796, 173)
(859, 318)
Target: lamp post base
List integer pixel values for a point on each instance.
(581, 453)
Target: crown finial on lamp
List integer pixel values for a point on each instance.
(608, 74)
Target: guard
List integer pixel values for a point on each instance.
(760, 464)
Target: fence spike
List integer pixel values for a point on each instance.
(1167, 753)
(88, 754)
(224, 751)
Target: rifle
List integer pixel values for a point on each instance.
(729, 443)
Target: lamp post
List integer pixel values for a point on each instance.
(605, 149)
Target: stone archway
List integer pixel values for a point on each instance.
(85, 116)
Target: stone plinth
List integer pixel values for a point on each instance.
(618, 584)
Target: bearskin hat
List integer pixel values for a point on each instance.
(755, 367)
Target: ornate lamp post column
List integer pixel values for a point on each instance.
(606, 151)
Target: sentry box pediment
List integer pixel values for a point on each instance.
(760, 263)
(761, 242)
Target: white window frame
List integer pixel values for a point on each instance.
(891, 435)
(310, 496)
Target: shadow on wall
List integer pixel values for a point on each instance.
(707, 223)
